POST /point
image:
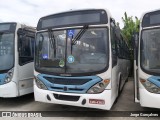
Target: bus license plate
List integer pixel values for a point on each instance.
(96, 101)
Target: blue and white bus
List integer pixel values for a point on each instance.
(147, 60)
(81, 59)
(16, 56)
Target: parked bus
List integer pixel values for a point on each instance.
(16, 56)
(81, 59)
(147, 60)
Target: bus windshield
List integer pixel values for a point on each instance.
(150, 50)
(60, 55)
(6, 50)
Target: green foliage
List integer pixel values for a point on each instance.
(130, 26)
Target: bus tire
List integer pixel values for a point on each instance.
(119, 87)
(119, 91)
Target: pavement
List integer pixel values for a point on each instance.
(120, 110)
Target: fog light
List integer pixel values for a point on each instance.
(48, 98)
(84, 102)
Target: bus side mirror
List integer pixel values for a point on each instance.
(20, 38)
(20, 32)
(21, 35)
(40, 44)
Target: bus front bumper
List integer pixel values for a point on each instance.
(8, 90)
(148, 99)
(83, 101)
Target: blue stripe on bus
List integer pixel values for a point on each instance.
(2, 78)
(81, 88)
(155, 80)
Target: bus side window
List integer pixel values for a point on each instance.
(120, 48)
(26, 50)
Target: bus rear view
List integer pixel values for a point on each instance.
(73, 59)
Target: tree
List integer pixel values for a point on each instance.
(130, 26)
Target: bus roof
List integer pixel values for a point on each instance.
(74, 18)
(150, 18)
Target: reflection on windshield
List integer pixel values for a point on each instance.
(45, 57)
(6, 51)
(150, 57)
(88, 54)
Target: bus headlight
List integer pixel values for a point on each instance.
(150, 86)
(9, 76)
(40, 84)
(99, 87)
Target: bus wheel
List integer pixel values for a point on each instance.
(119, 87)
(118, 91)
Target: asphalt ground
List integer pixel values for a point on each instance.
(122, 109)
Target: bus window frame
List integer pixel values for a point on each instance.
(23, 33)
(140, 48)
(14, 35)
(78, 74)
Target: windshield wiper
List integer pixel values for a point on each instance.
(52, 41)
(78, 36)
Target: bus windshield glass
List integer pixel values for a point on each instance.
(150, 55)
(88, 53)
(6, 50)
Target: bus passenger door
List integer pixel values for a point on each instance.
(135, 48)
(26, 66)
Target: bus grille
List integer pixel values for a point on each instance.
(66, 97)
(69, 81)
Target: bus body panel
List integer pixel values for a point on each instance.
(142, 95)
(148, 99)
(136, 88)
(41, 96)
(22, 79)
(25, 76)
(120, 74)
(110, 93)
(9, 90)
(114, 83)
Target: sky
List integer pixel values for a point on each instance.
(30, 11)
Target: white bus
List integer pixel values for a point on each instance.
(16, 56)
(147, 61)
(81, 59)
